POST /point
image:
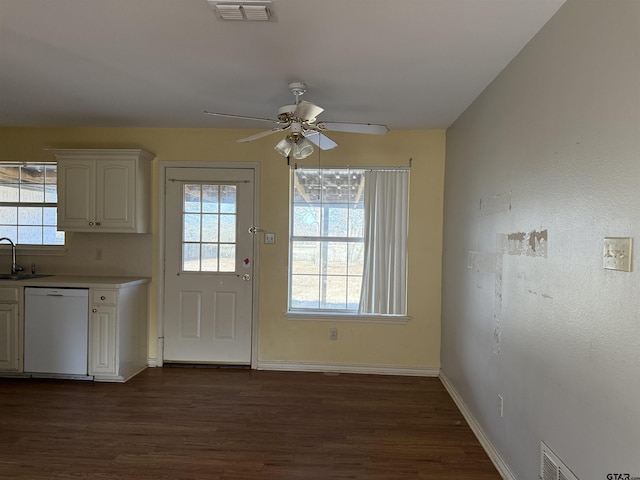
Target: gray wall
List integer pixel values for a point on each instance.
(540, 168)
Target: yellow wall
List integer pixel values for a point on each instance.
(414, 345)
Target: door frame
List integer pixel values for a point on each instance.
(163, 166)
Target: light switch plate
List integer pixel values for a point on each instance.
(617, 253)
(269, 238)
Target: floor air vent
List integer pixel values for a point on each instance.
(551, 467)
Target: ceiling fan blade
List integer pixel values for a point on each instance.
(230, 115)
(261, 134)
(369, 128)
(307, 111)
(320, 140)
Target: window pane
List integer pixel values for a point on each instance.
(336, 255)
(191, 198)
(305, 257)
(9, 174)
(29, 216)
(307, 186)
(354, 285)
(51, 236)
(191, 227)
(9, 193)
(32, 183)
(228, 198)
(49, 216)
(306, 220)
(335, 293)
(336, 222)
(228, 228)
(9, 231)
(191, 257)
(210, 198)
(209, 257)
(50, 194)
(356, 220)
(31, 235)
(210, 228)
(8, 215)
(227, 258)
(305, 291)
(51, 175)
(355, 259)
(31, 193)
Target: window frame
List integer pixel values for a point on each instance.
(34, 248)
(319, 314)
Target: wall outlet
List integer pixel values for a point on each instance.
(617, 253)
(501, 405)
(333, 334)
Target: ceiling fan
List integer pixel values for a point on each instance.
(299, 121)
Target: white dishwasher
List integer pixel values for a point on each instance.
(56, 331)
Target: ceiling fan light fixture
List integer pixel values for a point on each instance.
(284, 146)
(302, 149)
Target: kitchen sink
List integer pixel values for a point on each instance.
(22, 276)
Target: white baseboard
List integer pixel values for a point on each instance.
(152, 362)
(339, 368)
(492, 452)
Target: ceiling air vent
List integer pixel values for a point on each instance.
(551, 467)
(246, 10)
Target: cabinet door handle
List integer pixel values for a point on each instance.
(103, 297)
(98, 224)
(91, 224)
(94, 310)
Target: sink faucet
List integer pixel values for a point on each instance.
(14, 269)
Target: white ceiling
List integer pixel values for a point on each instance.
(410, 64)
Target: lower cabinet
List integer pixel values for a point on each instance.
(117, 333)
(10, 330)
(118, 337)
(10, 335)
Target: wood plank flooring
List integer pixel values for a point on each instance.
(226, 424)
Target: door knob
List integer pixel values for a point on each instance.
(246, 277)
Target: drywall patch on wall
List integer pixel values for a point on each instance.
(497, 307)
(532, 244)
(500, 203)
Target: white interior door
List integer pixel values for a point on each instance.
(209, 265)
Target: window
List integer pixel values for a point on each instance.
(209, 228)
(326, 248)
(28, 203)
(348, 241)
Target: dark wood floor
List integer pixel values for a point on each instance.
(200, 423)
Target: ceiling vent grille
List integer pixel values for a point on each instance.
(246, 10)
(551, 467)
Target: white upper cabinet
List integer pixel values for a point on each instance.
(104, 190)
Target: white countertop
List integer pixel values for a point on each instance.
(76, 281)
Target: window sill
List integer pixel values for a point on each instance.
(348, 317)
(35, 250)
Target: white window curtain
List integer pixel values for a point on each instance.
(386, 221)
